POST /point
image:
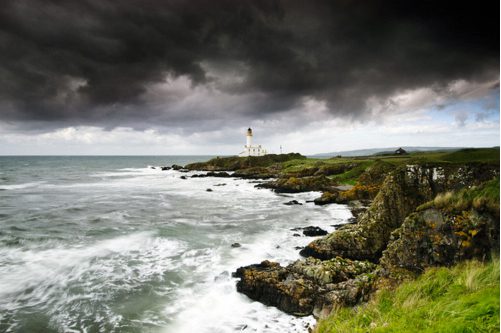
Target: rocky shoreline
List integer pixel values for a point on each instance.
(399, 228)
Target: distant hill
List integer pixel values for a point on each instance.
(373, 151)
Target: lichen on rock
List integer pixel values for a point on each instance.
(300, 287)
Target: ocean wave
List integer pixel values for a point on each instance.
(126, 172)
(88, 274)
(20, 186)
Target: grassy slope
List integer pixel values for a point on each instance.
(483, 197)
(464, 298)
(478, 155)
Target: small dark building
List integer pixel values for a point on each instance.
(400, 151)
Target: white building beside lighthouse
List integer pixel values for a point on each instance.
(250, 149)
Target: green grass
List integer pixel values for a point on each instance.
(351, 176)
(473, 155)
(464, 298)
(483, 197)
(300, 164)
(469, 155)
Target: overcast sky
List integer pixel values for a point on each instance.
(189, 77)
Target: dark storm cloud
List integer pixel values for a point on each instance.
(92, 61)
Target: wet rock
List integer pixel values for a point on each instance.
(183, 177)
(176, 167)
(314, 231)
(165, 168)
(235, 245)
(296, 235)
(311, 231)
(303, 285)
(222, 184)
(330, 197)
(209, 190)
(212, 174)
(292, 202)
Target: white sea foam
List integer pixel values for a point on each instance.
(20, 186)
(212, 304)
(31, 277)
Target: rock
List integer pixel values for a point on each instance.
(311, 231)
(222, 184)
(183, 177)
(209, 190)
(236, 245)
(314, 231)
(434, 237)
(165, 168)
(212, 174)
(152, 167)
(292, 202)
(296, 185)
(304, 285)
(255, 173)
(176, 167)
(296, 235)
(330, 197)
(219, 174)
(401, 193)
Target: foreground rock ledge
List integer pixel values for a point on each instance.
(308, 286)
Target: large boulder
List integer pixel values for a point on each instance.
(329, 197)
(304, 285)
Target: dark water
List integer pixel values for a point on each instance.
(107, 244)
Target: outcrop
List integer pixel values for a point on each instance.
(234, 163)
(407, 228)
(435, 238)
(296, 185)
(401, 193)
(307, 285)
(451, 228)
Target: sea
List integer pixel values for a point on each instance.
(115, 244)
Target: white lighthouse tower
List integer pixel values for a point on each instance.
(249, 137)
(250, 149)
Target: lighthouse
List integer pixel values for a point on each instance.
(249, 137)
(250, 149)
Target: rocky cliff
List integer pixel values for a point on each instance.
(402, 191)
(407, 227)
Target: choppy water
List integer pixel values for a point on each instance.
(106, 244)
